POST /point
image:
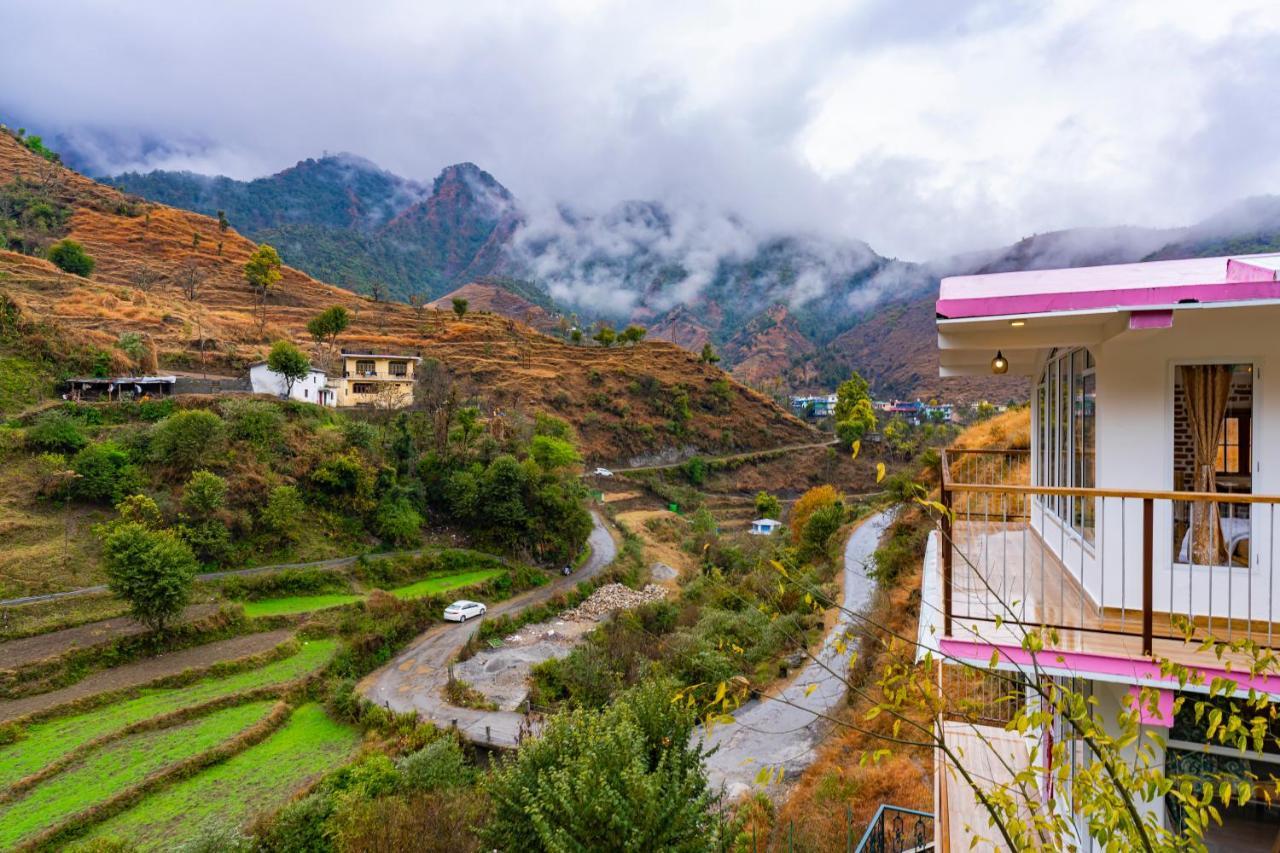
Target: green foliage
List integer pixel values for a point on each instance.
(695, 470)
(855, 415)
(345, 480)
(70, 256)
(326, 326)
(29, 216)
(132, 345)
(187, 439)
(262, 270)
(204, 494)
(553, 453)
(818, 530)
(35, 144)
(397, 522)
(284, 508)
(900, 551)
(605, 335)
(140, 509)
(768, 506)
(288, 361)
(255, 422)
(209, 540)
(105, 474)
(439, 764)
(151, 569)
(56, 431)
(460, 306)
(626, 778)
(632, 334)
(708, 355)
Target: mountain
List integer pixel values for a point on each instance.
(1247, 227)
(624, 402)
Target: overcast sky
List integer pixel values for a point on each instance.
(921, 127)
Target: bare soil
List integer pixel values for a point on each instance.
(18, 653)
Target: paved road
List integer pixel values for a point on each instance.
(415, 680)
(772, 733)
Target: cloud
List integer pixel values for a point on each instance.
(923, 128)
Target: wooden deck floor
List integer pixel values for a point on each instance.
(1005, 571)
(991, 756)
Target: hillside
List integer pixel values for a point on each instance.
(624, 402)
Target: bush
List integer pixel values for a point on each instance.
(254, 422)
(151, 569)
(818, 530)
(187, 439)
(397, 522)
(299, 827)
(440, 764)
(56, 431)
(359, 434)
(204, 494)
(70, 256)
(346, 480)
(105, 474)
(281, 513)
(210, 540)
(768, 506)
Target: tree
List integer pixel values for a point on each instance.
(151, 569)
(810, 502)
(204, 494)
(70, 256)
(104, 473)
(709, 355)
(849, 394)
(288, 361)
(190, 278)
(222, 221)
(768, 506)
(632, 334)
(326, 326)
(553, 453)
(605, 335)
(262, 272)
(418, 302)
(861, 420)
(460, 306)
(280, 515)
(628, 778)
(185, 439)
(575, 335)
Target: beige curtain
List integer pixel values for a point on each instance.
(1205, 390)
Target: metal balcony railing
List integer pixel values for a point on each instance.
(1102, 562)
(897, 830)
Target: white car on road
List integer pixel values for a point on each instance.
(603, 472)
(461, 611)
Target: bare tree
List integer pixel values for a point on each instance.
(190, 278)
(145, 278)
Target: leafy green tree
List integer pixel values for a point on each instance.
(140, 509)
(284, 508)
(861, 420)
(627, 778)
(553, 453)
(70, 256)
(439, 764)
(186, 439)
(56, 431)
(104, 473)
(222, 221)
(460, 306)
(709, 355)
(288, 361)
(576, 336)
(632, 334)
(850, 392)
(605, 336)
(468, 419)
(326, 326)
(262, 273)
(768, 506)
(821, 525)
(151, 569)
(204, 494)
(397, 522)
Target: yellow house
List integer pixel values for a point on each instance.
(377, 380)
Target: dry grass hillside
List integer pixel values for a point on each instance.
(625, 402)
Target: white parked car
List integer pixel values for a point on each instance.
(603, 472)
(461, 611)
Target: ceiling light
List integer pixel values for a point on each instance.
(999, 364)
(1017, 323)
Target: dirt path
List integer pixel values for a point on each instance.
(415, 680)
(786, 733)
(750, 454)
(134, 674)
(17, 653)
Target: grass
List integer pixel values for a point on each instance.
(292, 604)
(259, 779)
(22, 384)
(296, 604)
(430, 586)
(48, 741)
(118, 766)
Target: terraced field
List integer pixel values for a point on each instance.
(259, 779)
(431, 586)
(44, 743)
(289, 605)
(118, 766)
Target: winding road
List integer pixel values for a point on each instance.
(772, 733)
(415, 680)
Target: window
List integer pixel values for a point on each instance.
(398, 368)
(1233, 449)
(363, 388)
(1066, 431)
(366, 368)
(306, 393)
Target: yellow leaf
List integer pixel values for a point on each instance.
(811, 688)
(879, 471)
(857, 447)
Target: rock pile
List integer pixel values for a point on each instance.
(611, 597)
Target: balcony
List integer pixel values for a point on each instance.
(1104, 571)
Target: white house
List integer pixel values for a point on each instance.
(764, 526)
(312, 388)
(1145, 503)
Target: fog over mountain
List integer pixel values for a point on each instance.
(925, 129)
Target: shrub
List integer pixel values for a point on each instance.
(821, 526)
(768, 506)
(204, 494)
(284, 507)
(187, 439)
(814, 499)
(151, 569)
(254, 422)
(56, 431)
(70, 256)
(299, 827)
(210, 540)
(551, 453)
(440, 764)
(695, 471)
(397, 522)
(360, 434)
(104, 474)
(346, 480)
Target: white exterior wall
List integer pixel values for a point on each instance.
(1134, 445)
(307, 390)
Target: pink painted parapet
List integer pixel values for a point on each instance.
(1161, 715)
(1108, 667)
(1086, 300)
(1239, 270)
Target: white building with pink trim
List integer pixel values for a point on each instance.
(1143, 508)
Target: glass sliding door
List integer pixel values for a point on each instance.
(1066, 411)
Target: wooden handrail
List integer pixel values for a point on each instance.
(1069, 491)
